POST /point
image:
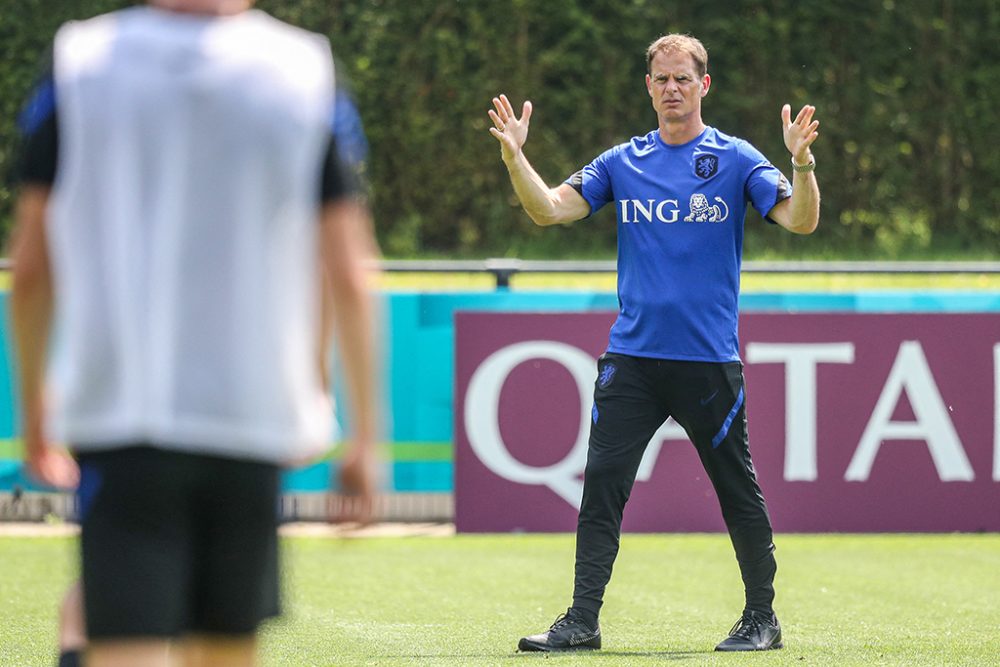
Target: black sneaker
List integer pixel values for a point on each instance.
(568, 633)
(754, 632)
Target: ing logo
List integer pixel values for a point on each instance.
(669, 210)
(702, 211)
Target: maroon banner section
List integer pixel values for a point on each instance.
(858, 422)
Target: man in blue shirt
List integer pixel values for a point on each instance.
(680, 194)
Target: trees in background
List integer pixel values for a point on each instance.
(906, 94)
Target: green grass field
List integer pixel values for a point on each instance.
(456, 601)
(464, 601)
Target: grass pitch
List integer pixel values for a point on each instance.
(456, 601)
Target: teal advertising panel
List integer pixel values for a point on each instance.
(419, 365)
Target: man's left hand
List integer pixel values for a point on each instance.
(355, 501)
(800, 133)
(51, 465)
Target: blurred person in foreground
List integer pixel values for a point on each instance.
(187, 220)
(680, 194)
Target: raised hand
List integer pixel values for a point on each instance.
(800, 134)
(509, 130)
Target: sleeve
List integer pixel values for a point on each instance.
(38, 151)
(593, 182)
(339, 179)
(347, 153)
(765, 185)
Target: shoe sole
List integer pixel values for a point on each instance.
(747, 650)
(526, 646)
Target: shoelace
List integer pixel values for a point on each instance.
(561, 621)
(745, 627)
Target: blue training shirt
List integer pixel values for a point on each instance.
(680, 216)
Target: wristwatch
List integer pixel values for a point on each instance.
(808, 166)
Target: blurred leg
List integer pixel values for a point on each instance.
(131, 653)
(72, 626)
(204, 651)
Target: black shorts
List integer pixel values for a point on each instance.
(176, 543)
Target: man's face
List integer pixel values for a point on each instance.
(674, 86)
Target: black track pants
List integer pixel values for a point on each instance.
(633, 396)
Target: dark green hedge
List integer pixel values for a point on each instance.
(907, 95)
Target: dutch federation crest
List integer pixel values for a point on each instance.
(706, 165)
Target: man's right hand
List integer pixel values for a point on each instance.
(508, 129)
(545, 205)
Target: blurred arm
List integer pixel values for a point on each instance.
(348, 251)
(31, 305)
